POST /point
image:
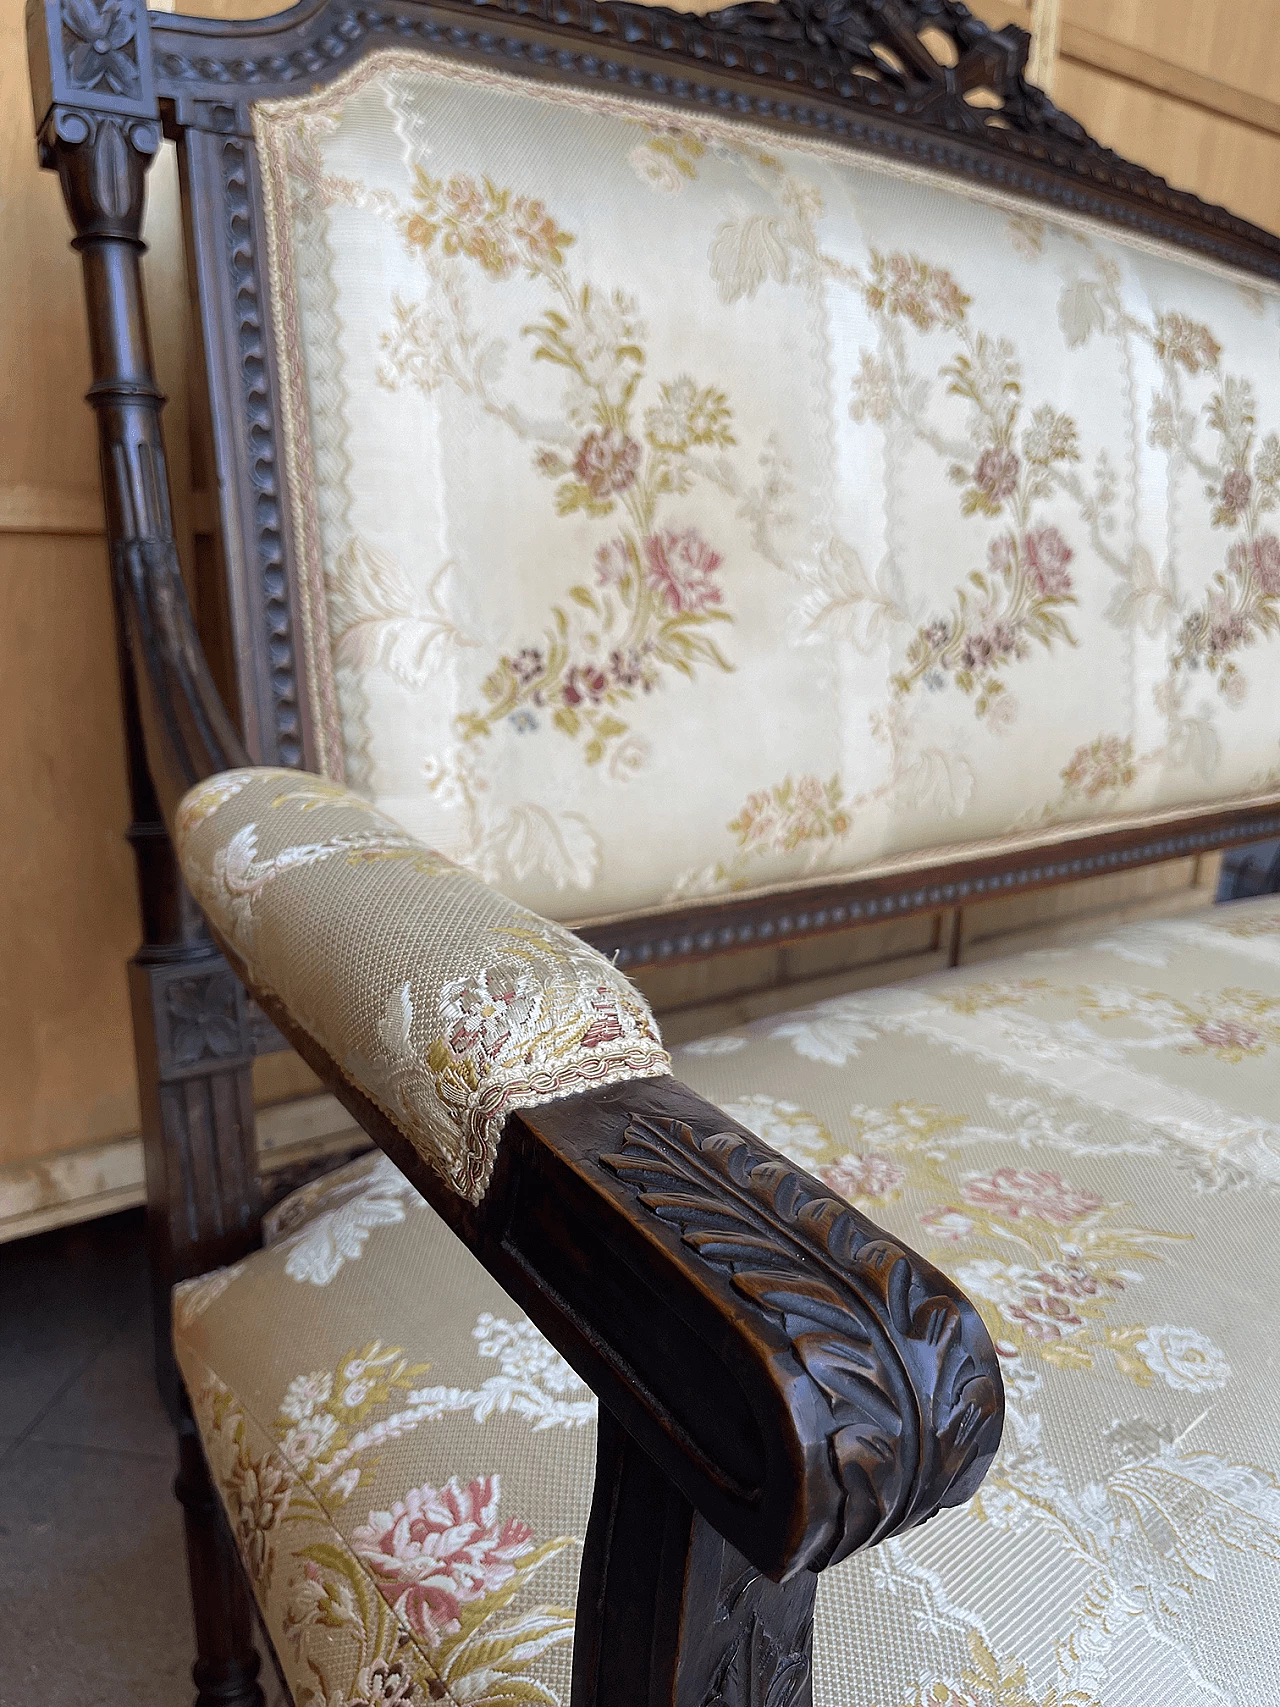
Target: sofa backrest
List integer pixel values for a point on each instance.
(681, 508)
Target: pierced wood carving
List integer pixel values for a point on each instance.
(929, 60)
(917, 78)
(901, 1369)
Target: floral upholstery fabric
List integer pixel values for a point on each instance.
(444, 1002)
(941, 521)
(1085, 1138)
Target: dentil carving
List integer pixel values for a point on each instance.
(907, 1375)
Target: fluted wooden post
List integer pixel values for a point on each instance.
(98, 127)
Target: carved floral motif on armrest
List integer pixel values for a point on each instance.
(445, 1003)
(902, 1372)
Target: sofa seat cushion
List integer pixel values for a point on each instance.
(1086, 1138)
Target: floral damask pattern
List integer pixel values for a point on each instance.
(905, 462)
(436, 1592)
(1019, 1131)
(655, 587)
(1044, 1260)
(1102, 1186)
(1007, 470)
(447, 1035)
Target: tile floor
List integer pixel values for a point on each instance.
(93, 1590)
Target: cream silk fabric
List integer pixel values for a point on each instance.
(444, 1002)
(1086, 1139)
(685, 510)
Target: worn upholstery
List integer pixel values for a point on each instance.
(938, 518)
(1087, 1139)
(444, 1002)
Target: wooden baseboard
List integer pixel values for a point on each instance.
(80, 1185)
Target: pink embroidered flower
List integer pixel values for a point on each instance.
(872, 1175)
(1047, 555)
(1047, 1306)
(1266, 563)
(1229, 1034)
(925, 295)
(1263, 557)
(680, 567)
(996, 473)
(1043, 1196)
(1104, 765)
(538, 235)
(584, 682)
(1045, 1316)
(527, 664)
(1225, 629)
(607, 462)
(1073, 1280)
(633, 668)
(439, 1549)
(948, 1223)
(488, 1013)
(1235, 491)
(606, 1023)
(989, 646)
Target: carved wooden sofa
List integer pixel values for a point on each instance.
(709, 482)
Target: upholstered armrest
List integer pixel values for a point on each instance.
(808, 1384)
(446, 1004)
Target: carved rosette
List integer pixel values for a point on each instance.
(100, 46)
(899, 1362)
(92, 89)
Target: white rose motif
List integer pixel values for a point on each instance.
(788, 1127)
(1184, 1359)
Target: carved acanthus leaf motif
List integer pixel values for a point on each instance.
(914, 1415)
(760, 1672)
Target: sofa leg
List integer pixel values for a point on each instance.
(226, 1668)
(669, 1614)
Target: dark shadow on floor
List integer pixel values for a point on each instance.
(93, 1583)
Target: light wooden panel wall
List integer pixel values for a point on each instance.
(1189, 87)
(66, 904)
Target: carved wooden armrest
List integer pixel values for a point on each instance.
(815, 1386)
(783, 1384)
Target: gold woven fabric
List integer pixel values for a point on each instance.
(1086, 1139)
(445, 1003)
